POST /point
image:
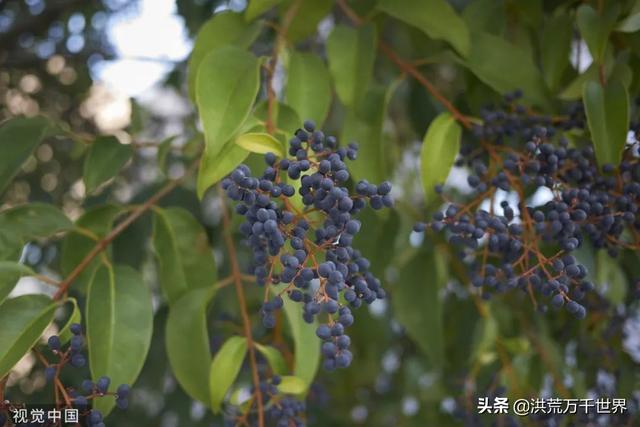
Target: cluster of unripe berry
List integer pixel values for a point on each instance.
(306, 243)
(528, 245)
(89, 390)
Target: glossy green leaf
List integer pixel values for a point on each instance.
(184, 256)
(436, 18)
(364, 125)
(35, 220)
(491, 56)
(607, 110)
(119, 322)
(595, 28)
(308, 16)
(292, 385)
(417, 304)
(215, 167)
(75, 317)
(274, 357)
(187, 342)
(258, 7)
(104, 160)
(556, 45)
(223, 29)
(18, 138)
(23, 321)
(261, 143)
(226, 86)
(351, 53)
(438, 153)
(286, 119)
(610, 278)
(306, 343)
(10, 273)
(308, 86)
(225, 368)
(96, 222)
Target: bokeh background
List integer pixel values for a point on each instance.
(119, 67)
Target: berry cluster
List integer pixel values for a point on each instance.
(305, 243)
(73, 356)
(283, 410)
(525, 243)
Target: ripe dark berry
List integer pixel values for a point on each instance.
(54, 343)
(50, 373)
(75, 329)
(103, 384)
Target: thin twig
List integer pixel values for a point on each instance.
(104, 242)
(271, 70)
(246, 322)
(409, 68)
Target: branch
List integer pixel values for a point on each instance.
(409, 68)
(271, 71)
(104, 242)
(246, 322)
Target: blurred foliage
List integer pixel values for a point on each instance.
(357, 67)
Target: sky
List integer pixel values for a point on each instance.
(148, 39)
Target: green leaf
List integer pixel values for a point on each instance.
(286, 118)
(610, 278)
(261, 143)
(119, 321)
(556, 45)
(417, 304)
(258, 7)
(164, 149)
(104, 160)
(351, 53)
(75, 317)
(23, 321)
(226, 86)
(491, 56)
(35, 220)
(187, 342)
(631, 23)
(607, 110)
(10, 273)
(307, 17)
(364, 125)
(438, 153)
(215, 167)
(595, 29)
(484, 339)
(306, 343)
(292, 385)
(184, 256)
(485, 15)
(18, 138)
(223, 29)
(308, 86)
(274, 357)
(225, 368)
(76, 245)
(436, 18)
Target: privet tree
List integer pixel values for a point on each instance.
(279, 279)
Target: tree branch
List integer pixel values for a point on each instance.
(104, 242)
(409, 68)
(246, 322)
